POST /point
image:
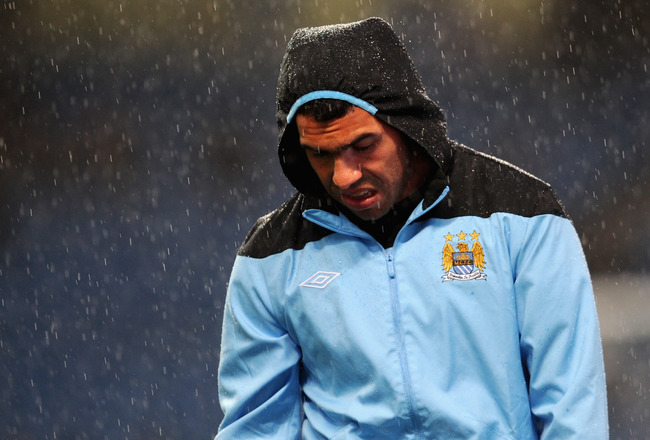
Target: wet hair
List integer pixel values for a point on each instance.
(325, 110)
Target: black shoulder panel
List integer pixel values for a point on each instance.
(285, 228)
(481, 185)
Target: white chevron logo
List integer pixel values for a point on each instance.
(320, 279)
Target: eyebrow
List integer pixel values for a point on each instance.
(355, 141)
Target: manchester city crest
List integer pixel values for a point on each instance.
(461, 263)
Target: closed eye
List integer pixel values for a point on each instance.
(364, 146)
(363, 143)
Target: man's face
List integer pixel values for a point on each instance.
(362, 162)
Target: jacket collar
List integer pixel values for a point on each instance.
(325, 213)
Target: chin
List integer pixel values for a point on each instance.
(370, 215)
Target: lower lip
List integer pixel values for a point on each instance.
(359, 204)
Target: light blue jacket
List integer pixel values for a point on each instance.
(339, 338)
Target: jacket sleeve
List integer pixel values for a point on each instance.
(559, 332)
(259, 389)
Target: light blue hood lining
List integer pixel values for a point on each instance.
(329, 94)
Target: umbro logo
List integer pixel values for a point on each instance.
(320, 279)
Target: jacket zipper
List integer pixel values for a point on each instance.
(397, 322)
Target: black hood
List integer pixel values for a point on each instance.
(366, 61)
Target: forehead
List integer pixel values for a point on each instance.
(338, 132)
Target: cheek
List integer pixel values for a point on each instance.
(394, 164)
(321, 167)
(396, 173)
(403, 163)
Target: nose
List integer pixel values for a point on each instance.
(347, 171)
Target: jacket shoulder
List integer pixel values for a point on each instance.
(282, 229)
(482, 185)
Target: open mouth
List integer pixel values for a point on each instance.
(360, 195)
(360, 200)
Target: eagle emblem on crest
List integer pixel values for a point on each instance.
(462, 264)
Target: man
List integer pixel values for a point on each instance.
(413, 288)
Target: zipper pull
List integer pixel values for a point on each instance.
(391, 266)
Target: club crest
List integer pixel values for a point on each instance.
(463, 264)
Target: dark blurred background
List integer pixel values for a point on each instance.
(138, 146)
